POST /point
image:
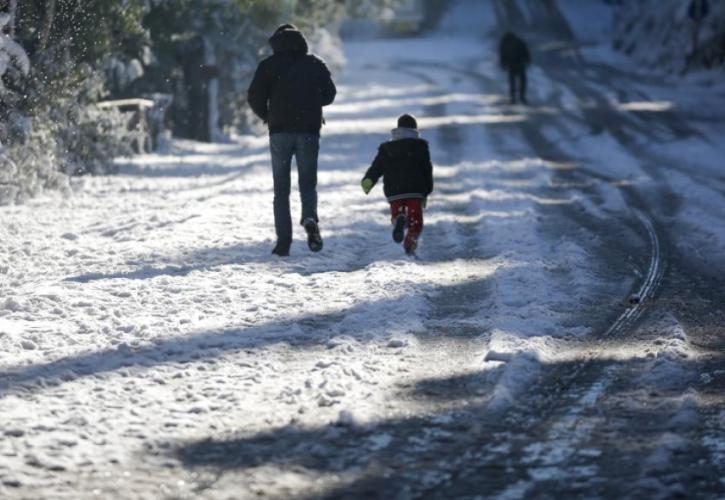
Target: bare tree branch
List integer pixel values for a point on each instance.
(47, 23)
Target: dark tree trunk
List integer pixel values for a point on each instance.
(191, 115)
(47, 23)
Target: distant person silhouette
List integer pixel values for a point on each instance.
(515, 57)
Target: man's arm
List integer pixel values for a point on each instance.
(502, 55)
(328, 91)
(258, 93)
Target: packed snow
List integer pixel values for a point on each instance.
(145, 313)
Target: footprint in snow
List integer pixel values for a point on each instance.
(28, 345)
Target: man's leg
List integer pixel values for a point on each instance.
(307, 152)
(415, 224)
(512, 85)
(522, 85)
(282, 147)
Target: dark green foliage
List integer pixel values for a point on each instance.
(85, 51)
(92, 29)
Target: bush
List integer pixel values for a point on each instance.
(56, 130)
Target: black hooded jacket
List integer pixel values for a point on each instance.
(405, 167)
(290, 87)
(513, 52)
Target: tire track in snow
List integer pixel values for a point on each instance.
(551, 458)
(565, 438)
(565, 435)
(653, 279)
(541, 145)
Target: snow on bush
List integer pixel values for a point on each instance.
(31, 164)
(86, 137)
(10, 52)
(12, 57)
(658, 34)
(49, 123)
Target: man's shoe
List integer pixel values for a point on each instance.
(314, 240)
(281, 249)
(399, 229)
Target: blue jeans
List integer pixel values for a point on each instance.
(305, 148)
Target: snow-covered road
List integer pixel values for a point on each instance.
(151, 347)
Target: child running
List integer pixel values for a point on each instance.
(405, 165)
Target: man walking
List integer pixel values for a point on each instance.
(288, 92)
(515, 57)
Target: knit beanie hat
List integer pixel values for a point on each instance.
(407, 121)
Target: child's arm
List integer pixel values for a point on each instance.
(428, 173)
(373, 173)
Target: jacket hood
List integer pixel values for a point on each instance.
(404, 133)
(288, 40)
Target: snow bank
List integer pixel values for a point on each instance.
(658, 33)
(591, 21)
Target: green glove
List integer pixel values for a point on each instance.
(367, 185)
(425, 202)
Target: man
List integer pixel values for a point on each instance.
(514, 56)
(288, 92)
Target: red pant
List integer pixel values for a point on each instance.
(412, 208)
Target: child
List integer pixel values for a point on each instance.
(404, 163)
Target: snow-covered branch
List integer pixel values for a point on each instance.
(10, 50)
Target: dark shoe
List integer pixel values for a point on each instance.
(399, 229)
(314, 240)
(524, 101)
(281, 249)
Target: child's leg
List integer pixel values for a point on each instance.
(415, 223)
(397, 207)
(397, 210)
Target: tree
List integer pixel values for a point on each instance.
(206, 52)
(49, 89)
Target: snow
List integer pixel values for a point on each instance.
(145, 312)
(10, 51)
(166, 304)
(590, 21)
